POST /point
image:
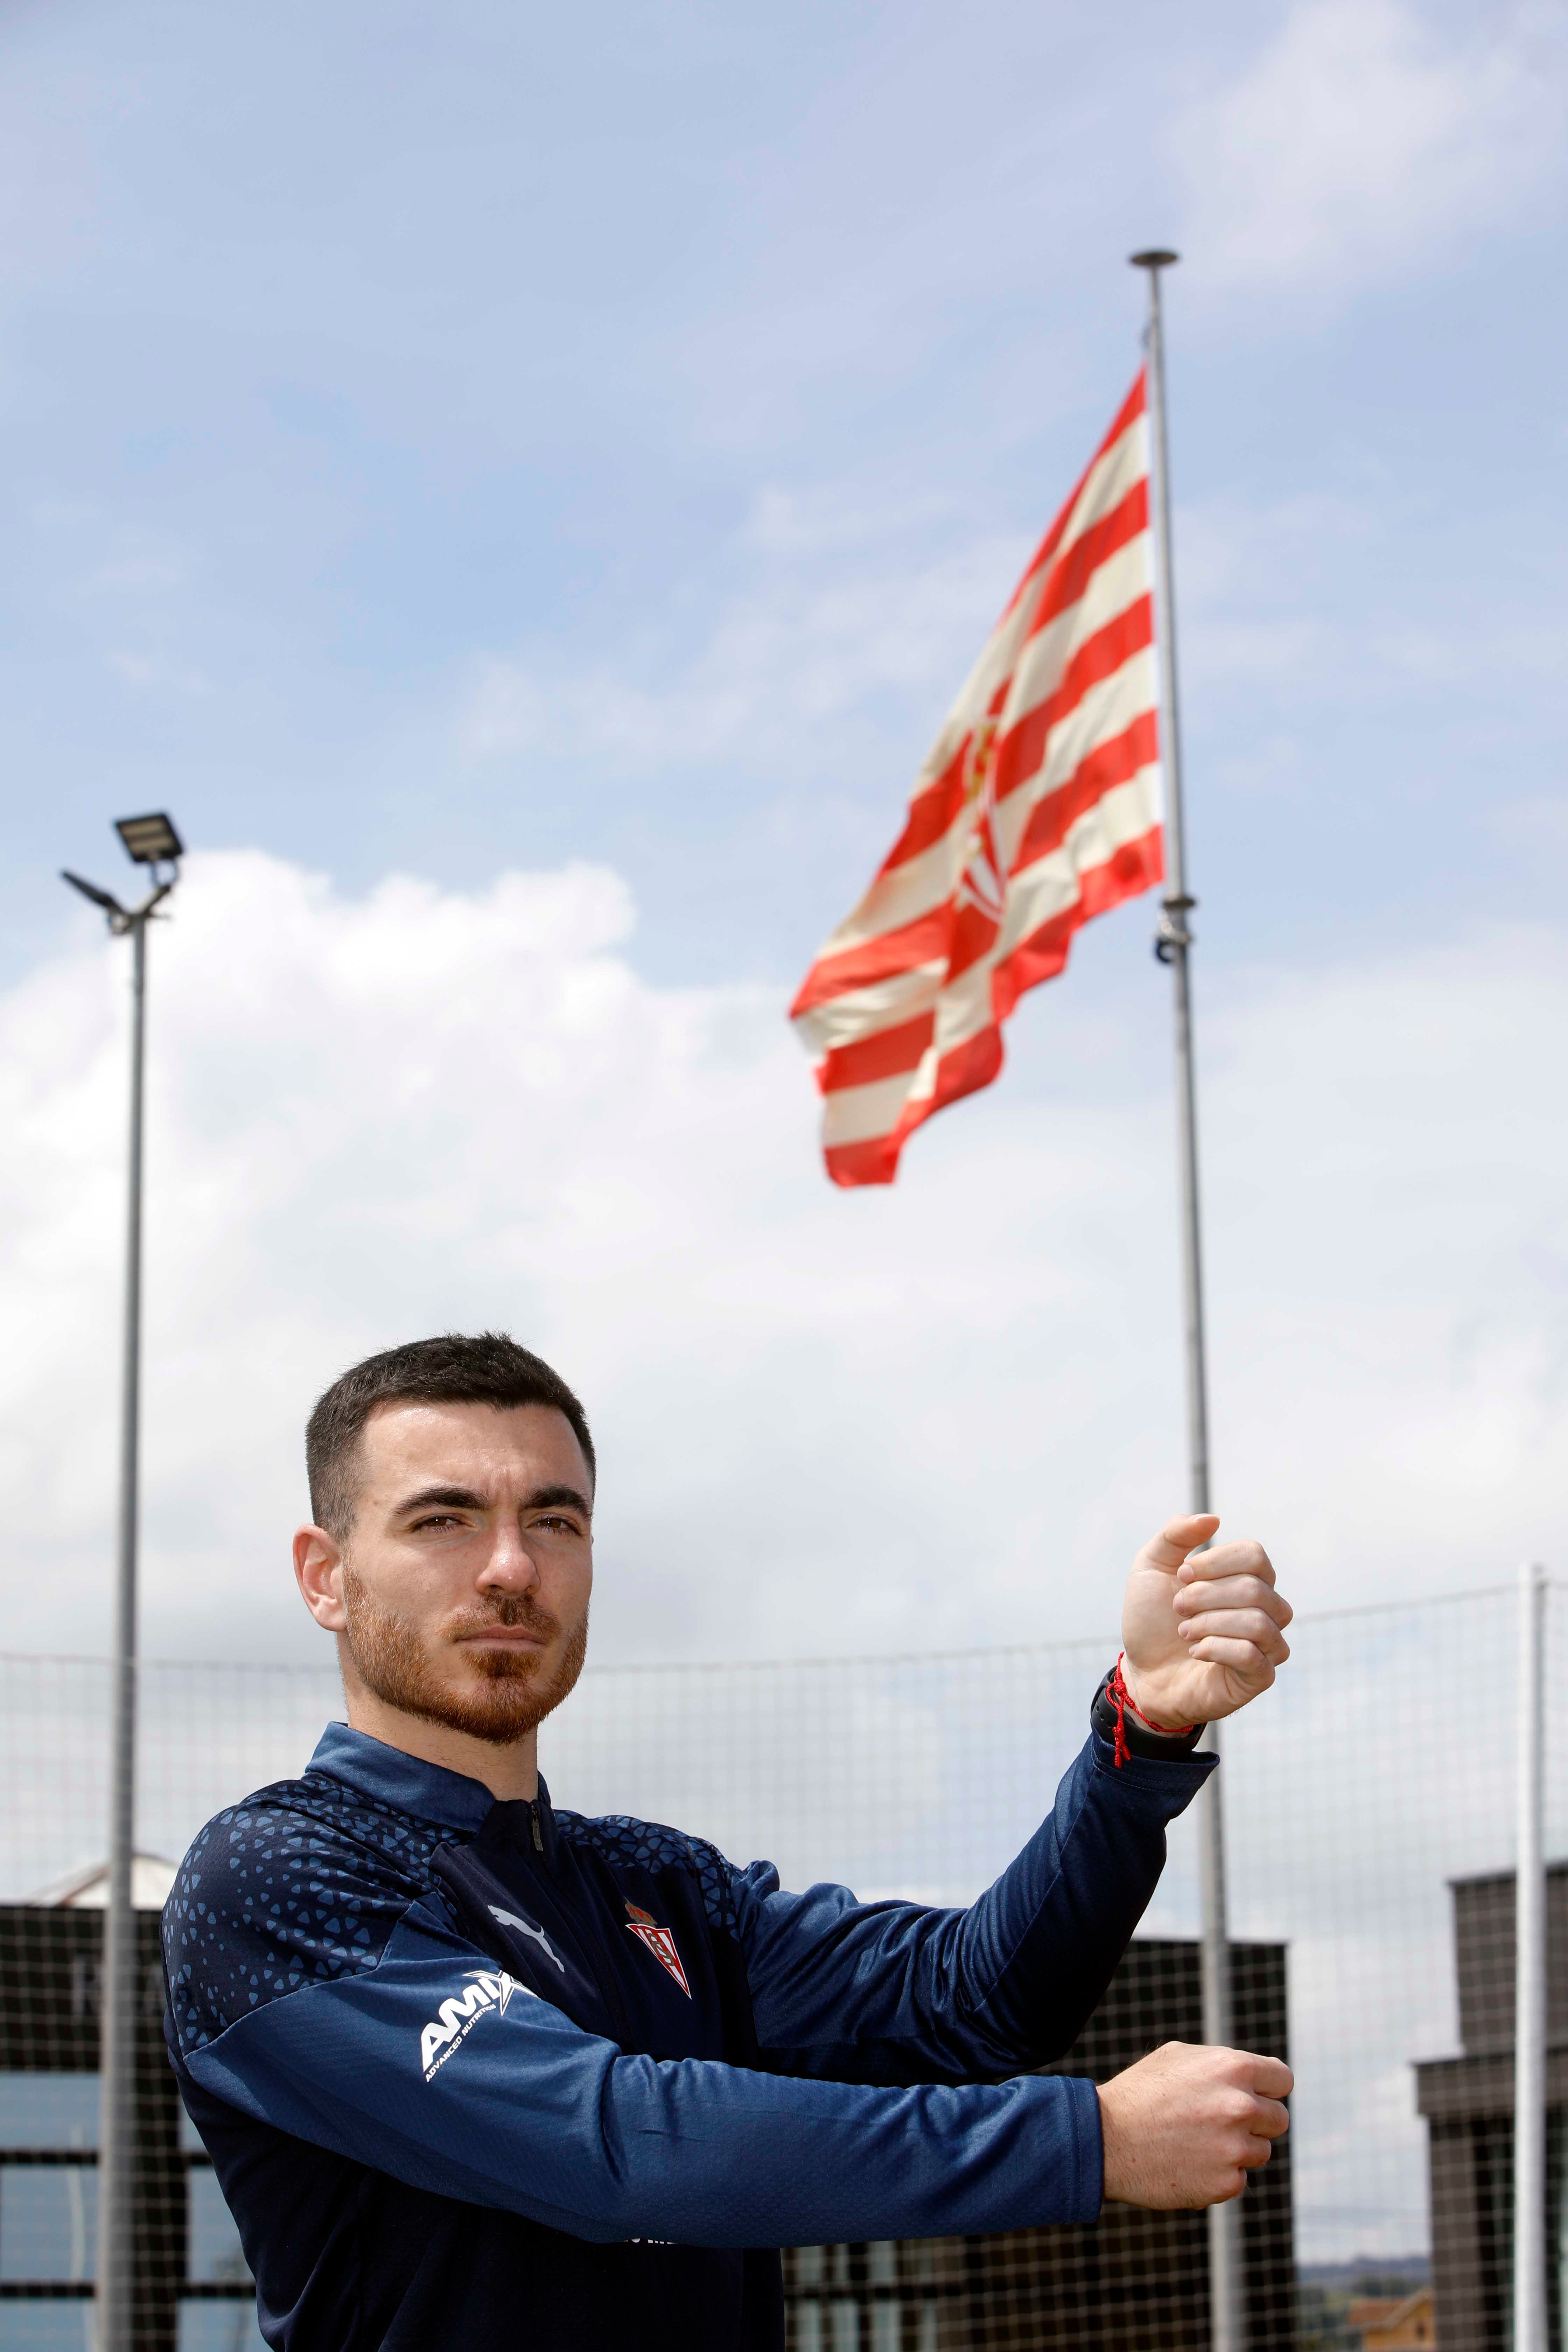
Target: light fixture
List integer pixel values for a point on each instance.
(150, 840)
(111, 906)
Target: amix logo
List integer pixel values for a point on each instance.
(457, 2018)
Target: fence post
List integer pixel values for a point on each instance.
(1530, 1981)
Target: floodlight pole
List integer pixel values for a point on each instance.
(1172, 945)
(117, 1985)
(117, 2089)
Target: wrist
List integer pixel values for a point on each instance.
(1107, 2154)
(1115, 2155)
(1138, 1702)
(1117, 1719)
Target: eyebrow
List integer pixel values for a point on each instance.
(559, 1498)
(464, 1498)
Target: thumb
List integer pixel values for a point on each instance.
(1177, 1537)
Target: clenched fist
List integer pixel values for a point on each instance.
(1204, 1631)
(1185, 2126)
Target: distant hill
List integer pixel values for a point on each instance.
(1365, 2274)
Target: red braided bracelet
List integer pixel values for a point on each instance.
(1121, 1699)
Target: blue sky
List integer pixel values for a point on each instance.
(657, 358)
(454, 443)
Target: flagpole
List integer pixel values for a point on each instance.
(1172, 945)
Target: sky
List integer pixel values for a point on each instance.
(521, 489)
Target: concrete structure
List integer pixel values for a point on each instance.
(1468, 2105)
(87, 1888)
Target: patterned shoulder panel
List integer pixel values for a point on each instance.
(649, 1846)
(303, 1881)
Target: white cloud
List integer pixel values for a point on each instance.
(1362, 139)
(1305, 596)
(901, 1418)
(1538, 826)
(146, 670)
(795, 649)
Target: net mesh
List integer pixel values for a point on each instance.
(1370, 1825)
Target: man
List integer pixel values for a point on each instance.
(475, 2073)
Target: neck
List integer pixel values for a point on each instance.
(507, 1772)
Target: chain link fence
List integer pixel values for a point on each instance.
(1369, 1803)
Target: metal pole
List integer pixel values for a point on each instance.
(1173, 946)
(116, 2088)
(1530, 1983)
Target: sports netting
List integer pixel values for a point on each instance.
(1369, 1806)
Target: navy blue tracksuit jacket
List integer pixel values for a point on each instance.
(490, 2077)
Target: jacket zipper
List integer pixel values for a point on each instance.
(609, 1989)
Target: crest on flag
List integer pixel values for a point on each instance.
(980, 883)
(659, 1941)
(1037, 808)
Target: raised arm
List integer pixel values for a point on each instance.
(893, 1992)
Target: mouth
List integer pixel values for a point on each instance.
(503, 1637)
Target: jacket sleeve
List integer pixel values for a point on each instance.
(429, 2063)
(894, 1992)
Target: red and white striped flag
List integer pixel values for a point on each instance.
(1038, 806)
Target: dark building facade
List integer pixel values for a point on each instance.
(191, 2289)
(1468, 2105)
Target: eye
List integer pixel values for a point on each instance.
(438, 1519)
(557, 1524)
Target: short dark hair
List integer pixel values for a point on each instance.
(490, 1368)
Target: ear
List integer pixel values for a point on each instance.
(318, 1570)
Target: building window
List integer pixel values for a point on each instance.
(48, 2226)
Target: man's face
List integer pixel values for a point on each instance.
(466, 1572)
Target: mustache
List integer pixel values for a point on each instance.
(510, 1611)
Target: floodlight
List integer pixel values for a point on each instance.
(91, 890)
(150, 840)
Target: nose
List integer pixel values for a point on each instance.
(509, 1565)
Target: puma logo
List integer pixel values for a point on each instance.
(527, 1927)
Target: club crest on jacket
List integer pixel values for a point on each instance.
(659, 1941)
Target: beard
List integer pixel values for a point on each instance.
(509, 1692)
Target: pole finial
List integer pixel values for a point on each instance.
(1156, 258)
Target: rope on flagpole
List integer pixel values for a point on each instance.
(1172, 945)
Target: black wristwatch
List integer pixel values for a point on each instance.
(1137, 1739)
